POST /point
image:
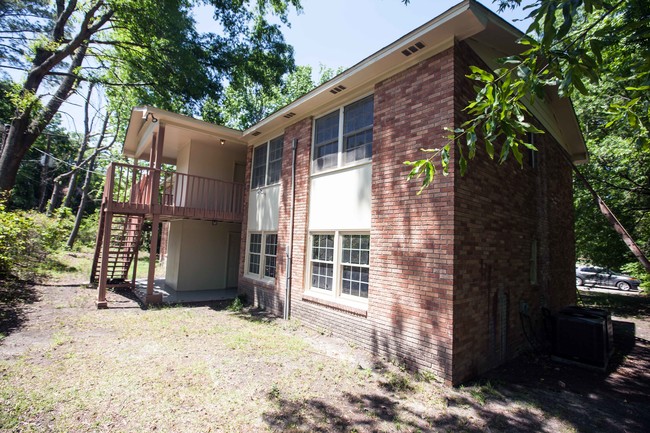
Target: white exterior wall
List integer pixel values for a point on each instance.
(341, 200)
(198, 250)
(263, 209)
(200, 253)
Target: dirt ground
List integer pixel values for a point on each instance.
(65, 366)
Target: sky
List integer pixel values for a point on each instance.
(338, 33)
(343, 32)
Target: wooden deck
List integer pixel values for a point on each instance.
(137, 190)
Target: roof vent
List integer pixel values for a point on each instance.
(256, 133)
(413, 48)
(289, 115)
(338, 89)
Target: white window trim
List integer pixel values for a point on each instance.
(260, 276)
(266, 164)
(339, 156)
(336, 294)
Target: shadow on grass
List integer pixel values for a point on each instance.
(15, 295)
(624, 305)
(615, 400)
(527, 394)
(365, 412)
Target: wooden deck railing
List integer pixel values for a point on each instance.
(144, 190)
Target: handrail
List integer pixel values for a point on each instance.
(134, 187)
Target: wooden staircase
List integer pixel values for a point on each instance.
(125, 236)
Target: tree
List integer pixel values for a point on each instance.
(126, 44)
(619, 167)
(246, 103)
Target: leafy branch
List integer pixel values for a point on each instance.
(563, 49)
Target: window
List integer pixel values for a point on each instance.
(267, 163)
(254, 253)
(356, 265)
(340, 264)
(337, 144)
(262, 255)
(322, 258)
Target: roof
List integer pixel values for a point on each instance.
(179, 130)
(488, 35)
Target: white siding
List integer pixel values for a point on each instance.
(263, 209)
(341, 200)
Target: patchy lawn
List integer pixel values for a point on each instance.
(65, 366)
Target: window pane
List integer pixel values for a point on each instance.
(271, 246)
(358, 146)
(270, 253)
(358, 115)
(256, 243)
(356, 249)
(326, 141)
(355, 281)
(269, 266)
(254, 263)
(254, 250)
(322, 275)
(323, 248)
(274, 171)
(357, 130)
(259, 166)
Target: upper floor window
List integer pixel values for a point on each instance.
(338, 143)
(267, 163)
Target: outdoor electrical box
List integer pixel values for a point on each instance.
(584, 336)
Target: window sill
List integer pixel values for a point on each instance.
(349, 166)
(265, 187)
(267, 282)
(337, 304)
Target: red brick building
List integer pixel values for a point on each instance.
(445, 281)
(309, 212)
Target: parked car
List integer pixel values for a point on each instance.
(597, 276)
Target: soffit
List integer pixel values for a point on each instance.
(179, 131)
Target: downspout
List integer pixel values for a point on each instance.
(287, 294)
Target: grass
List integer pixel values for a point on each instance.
(71, 367)
(619, 305)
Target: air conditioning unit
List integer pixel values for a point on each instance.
(584, 336)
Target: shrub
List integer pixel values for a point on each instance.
(16, 240)
(87, 235)
(28, 238)
(637, 270)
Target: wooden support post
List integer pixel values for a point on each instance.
(135, 258)
(103, 271)
(152, 151)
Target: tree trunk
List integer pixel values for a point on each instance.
(613, 221)
(27, 125)
(45, 175)
(54, 198)
(13, 152)
(82, 204)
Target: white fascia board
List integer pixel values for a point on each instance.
(144, 138)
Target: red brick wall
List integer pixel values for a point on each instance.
(499, 211)
(412, 268)
(440, 262)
